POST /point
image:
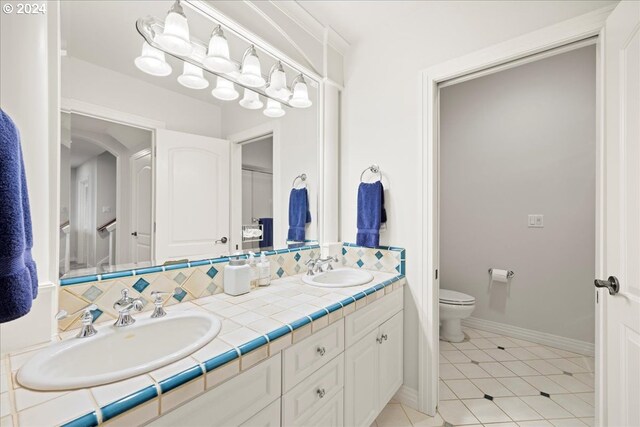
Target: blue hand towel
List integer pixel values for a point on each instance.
(299, 214)
(371, 213)
(267, 232)
(18, 279)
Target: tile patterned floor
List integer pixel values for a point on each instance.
(493, 380)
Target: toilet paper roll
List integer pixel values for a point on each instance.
(499, 276)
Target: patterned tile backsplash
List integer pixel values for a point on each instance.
(200, 279)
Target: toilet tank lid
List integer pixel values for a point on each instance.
(453, 296)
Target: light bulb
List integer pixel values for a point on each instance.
(218, 56)
(192, 75)
(251, 74)
(175, 37)
(152, 61)
(300, 98)
(274, 109)
(225, 90)
(277, 86)
(251, 100)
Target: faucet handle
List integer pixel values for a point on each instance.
(63, 314)
(159, 301)
(87, 329)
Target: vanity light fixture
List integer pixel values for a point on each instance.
(251, 75)
(175, 37)
(225, 90)
(152, 61)
(192, 75)
(251, 100)
(277, 85)
(300, 98)
(274, 109)
(217, 58)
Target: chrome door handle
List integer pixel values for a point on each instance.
(320, 392)
(222, 240)
(321, 351)
(134, 234)
(611, 283)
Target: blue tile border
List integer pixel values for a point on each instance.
(300, 323)
(252, 345)
(318, 314)
(88, 420)
(116, 275)
(128, 402)
(221, 359)
(78, 280)
(177, 380)
(280, 332)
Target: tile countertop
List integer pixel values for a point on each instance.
(255, 326)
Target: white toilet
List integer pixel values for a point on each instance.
(454, 306)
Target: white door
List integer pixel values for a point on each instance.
(192, 196)
(361, 382)
(621, 340)
(141, 224)
(390, 348)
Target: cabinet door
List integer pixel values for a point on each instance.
(391, 362)
(268, 417)
(330, 415)
(361, 382)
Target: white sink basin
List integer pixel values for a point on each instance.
(339, 278)
(119, 353)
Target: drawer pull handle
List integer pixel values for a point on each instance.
(383, 337)
(321, 392)
(321, 351)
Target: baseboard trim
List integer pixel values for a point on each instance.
(407, 396)
(569, 344)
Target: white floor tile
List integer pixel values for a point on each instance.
(543, 352)
(546, 407)
(486, 334)
(482, 343)
(568, 422)
(492, 387)
(473, 333)
(496, 369)
(520, 368)
(567, 365)
(445, 392)
(523, 343)
(537, 423)
(519, 387)
(564, 353)
(449, 372)
(478, 355)
(418, 419)
(544, 367)
(455, 356)
(586, 362)
(502, 425)
(500, 355)
(522, 353)
(486, 411)
(588, 397)
(515, 408)
(471, 370)
(444, 345)
(574, 404)
(503, 342)
(465, 345)
(570, 383)
(589, 421)
(456, 413)
(543, 383)
(393, 416)
(588, 379)
(464, 389)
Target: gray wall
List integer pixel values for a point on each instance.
(514, 143)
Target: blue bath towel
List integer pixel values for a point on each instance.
(18, 279)
(371, 213)
(267, 232)
(299, 214)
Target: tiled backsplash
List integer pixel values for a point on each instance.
(200, 279)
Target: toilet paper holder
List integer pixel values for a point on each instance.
(510, 273)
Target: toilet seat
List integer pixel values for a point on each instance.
(455, 298)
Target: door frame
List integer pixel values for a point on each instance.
(132, 214)
(70, 105)
(558, 35)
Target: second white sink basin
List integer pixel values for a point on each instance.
(339, 278)
(118, 353)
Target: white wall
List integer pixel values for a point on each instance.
(258, 155)
(381, 107)
(515, 143)
(86, 82)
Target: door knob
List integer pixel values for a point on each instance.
(223, 240)
(611, 283)
(134, 234)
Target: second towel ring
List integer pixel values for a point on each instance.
(373, 169)
(302, 177)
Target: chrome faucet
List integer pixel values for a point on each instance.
(124, 306)
(311, 266)
(87, 329)
(325, 261)
(159, 302)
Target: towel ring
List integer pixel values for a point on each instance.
(373, 169)
(302, 178)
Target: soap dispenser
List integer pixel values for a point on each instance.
(237, 277)
(253, 277)
(264, 271)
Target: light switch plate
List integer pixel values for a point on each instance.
(535, 221)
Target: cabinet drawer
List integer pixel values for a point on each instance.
(306, 357)
(268, 417)
(331, 414)
(231, 403)
(312, 393)
(360, 323)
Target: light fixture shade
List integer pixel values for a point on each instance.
(274, 109)
(225, 90)
(175, 37)
(192, 76)
(251, 100)
(251, 74)
(277, 86)
(300, 97)
(152, 61)
(217, 58)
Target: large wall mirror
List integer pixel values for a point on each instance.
(155, 168)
